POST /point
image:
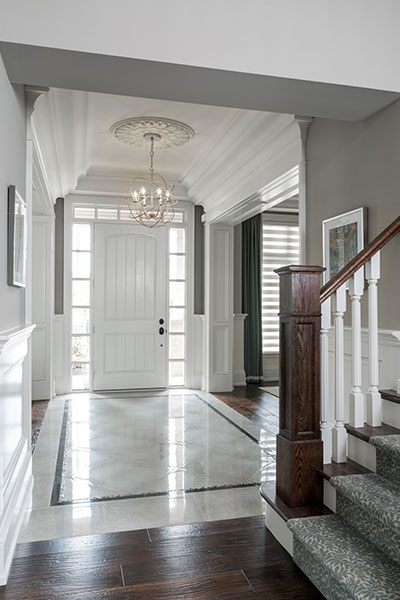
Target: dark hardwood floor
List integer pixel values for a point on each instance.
(252, 402)
(39, 408)
(232, 559)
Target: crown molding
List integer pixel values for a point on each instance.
(42, 196)
(234, 179)
(59, 125)
(278, 190)
(252, 182)
(109, 183)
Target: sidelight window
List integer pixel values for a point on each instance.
(177, 305)
(80, 311)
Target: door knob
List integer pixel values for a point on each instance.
(161, 331)
(161, 321)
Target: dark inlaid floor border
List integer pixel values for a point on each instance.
(59, 470)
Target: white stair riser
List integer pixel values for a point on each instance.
(329, 496)
(361, 452)
(279, 529)
(391, 413)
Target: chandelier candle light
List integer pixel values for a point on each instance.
(151, 201)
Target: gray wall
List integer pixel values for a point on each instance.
(352, 165)
(12, 172)
(198, 261)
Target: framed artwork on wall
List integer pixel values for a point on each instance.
(343, 237)
(16, 259)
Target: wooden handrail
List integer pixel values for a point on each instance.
(360, 260)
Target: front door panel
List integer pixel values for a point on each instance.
(129, 300)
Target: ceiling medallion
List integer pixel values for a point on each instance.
(132, 131)
(151, 202)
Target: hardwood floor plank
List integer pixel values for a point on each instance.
(257, 405)
(196, 564)
(218, 585)
(43, 583)
(220, 560)
(82, 543)
(271, 581)
(206, 528)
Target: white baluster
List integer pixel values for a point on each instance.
(374, 401)
(326, 428)
(339, 432)
(356, 412)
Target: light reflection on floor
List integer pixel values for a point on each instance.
(184, 465)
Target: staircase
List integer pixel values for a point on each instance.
(338, 445)
(355, 553)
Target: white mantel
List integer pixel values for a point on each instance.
(13, 337)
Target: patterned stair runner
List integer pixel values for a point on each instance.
(355, 554)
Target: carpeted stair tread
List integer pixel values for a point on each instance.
(387, 456)
(341, 562)
(374, 494)
(371, 505)
(387, 443)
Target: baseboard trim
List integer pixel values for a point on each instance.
(239, 378)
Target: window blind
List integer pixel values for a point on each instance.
(280, 247)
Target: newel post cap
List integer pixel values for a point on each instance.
(299, 269)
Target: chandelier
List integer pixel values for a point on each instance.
(151, 202)
(150, 199)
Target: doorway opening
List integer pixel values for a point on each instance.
(94, 363)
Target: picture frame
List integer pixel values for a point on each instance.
(17, 239)
(343, 237)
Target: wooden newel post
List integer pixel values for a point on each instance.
(299, 445)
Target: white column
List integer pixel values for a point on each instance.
(356, 407)
(374, 401)
(339, 432)
(218, 307)
(32, 93)
(326, 428)
(304, 124)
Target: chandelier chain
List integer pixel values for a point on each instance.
(152, 155)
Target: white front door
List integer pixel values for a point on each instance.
(130, 299)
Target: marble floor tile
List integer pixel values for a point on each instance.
(230, 504)
(124, 444)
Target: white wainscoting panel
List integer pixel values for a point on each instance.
(198, 353)
(389, 366)
(38, 358)
(239, 374)
(219, 308)
(15, 442)
(42, 307)
(59, 356)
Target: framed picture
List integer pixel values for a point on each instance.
(16, 238)
(343, 237)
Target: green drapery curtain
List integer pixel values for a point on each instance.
(251, 298)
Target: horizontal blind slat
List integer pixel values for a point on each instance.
(280, 248)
